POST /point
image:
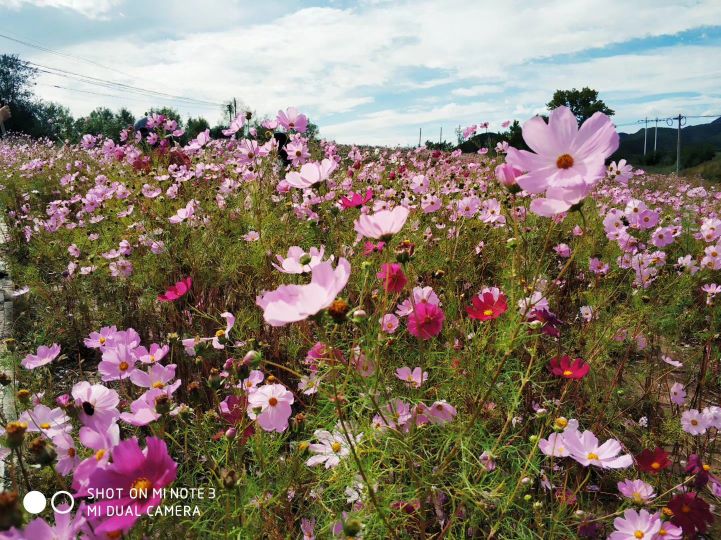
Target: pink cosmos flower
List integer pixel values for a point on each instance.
(43, 356)
(567, 162)
(177, 290)
(354, 199)
(270, 405)
(118, 362)
(143, 410)
(97, 404)
(67, 455)
(298, 261)
(291, 119)
(678, 394)
(311, 173)
(414, 378)
(440, 412)
(49, 422)
(235, 126)
(421, 295)
(554, 445)
(584, 448)
(184, 213)
(157, 376)
(426, 321)
(393, 277)
(383, 224)
(693, 422)
(636, 525)
(291, 303)
(249, 384)
(389, 323)
(155, 354)
(144, 471)
(66, 527)
(507, 174)
(637, 490)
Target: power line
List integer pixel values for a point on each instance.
(65, 55)
(118, 86)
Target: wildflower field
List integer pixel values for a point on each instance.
(229, 339)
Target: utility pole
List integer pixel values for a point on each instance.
(420, 132)
(645, 133)
(655, 136)
(681, 119)
(440, 137)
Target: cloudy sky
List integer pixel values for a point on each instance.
(374, 71)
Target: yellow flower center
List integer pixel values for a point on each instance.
(158, 385)
(273, 402)
(220, 333)
(488, 312)
(99, 454)
(335, 447)
(662, 532)
(564, 161)
(638, 534)
(655, 465)
(102, 340)
(152, 358)
(45, 426)
(592, 456)
(561, 422)
(142, 488)
(567, 373)
(123, 366)
(706, 467)
(637, 497)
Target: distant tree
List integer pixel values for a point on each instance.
(194, 126)
(515, 136)
(102, 121)
(445, 146)
(16, 79)
(56, 121)
(583, 103)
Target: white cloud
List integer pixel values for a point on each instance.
(425, 58)
(92, 9)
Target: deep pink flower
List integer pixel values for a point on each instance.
(426, 321)
(143, 471)
(176, 291)
(489, 304)
(356, 199)
(393, 277)
(564, 367)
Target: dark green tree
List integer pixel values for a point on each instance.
(195, 126)
(583, 103)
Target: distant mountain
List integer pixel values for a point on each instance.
(702, 136)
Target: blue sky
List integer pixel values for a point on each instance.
(376, 71)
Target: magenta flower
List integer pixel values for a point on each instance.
(270, 405)
(43, 356)
(354, 199)
(383, 224)
(393, 277)
(292, 303)
(177, 290)
(426, 321)
(567, 162)
(142, 471)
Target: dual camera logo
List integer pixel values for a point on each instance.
(35, 502)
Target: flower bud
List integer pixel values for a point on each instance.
(10, 513)
(229, 478)
(41, 452)
(351, 527)
(15, 434)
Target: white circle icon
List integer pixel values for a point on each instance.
(34, 502)
(64, 509)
